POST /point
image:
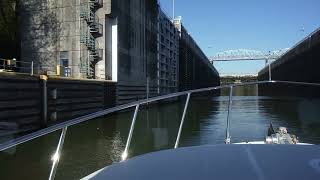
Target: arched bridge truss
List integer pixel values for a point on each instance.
(245, 55)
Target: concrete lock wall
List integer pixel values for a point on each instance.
(301, 63)
(20, 102)
(195, 70)
(137, 49)
(57, 33)
(125, 49)
(24, 107)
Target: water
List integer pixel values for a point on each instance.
(98, 143)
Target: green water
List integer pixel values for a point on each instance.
(100, 142)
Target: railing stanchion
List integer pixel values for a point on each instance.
(270, 77)
(182, 121)
(228, 138)
(57, 154)
(125, 152)
(31, 68)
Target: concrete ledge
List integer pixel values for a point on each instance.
(23, 105)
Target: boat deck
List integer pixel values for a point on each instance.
(220, 162)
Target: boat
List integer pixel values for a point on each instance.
(279, 156)
(243, 160)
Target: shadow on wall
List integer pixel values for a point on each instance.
(41, 31)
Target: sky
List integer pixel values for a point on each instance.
(263, 25)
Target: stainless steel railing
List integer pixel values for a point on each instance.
(31, 68)
(182, 121)
(11, 64)
(64, 126)
(228, 137)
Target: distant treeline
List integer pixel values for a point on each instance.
(9, 29)
(232, 79)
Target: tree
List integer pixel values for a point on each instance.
(9, 29)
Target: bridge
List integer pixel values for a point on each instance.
(246, 54)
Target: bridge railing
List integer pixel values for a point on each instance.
(240, 58)
(240, 55)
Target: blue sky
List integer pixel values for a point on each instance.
(263, 25)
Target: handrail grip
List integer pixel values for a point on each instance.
(75, 121)
(182, 121)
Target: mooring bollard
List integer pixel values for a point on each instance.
(44, 96)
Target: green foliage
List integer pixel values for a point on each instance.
(9, 28)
